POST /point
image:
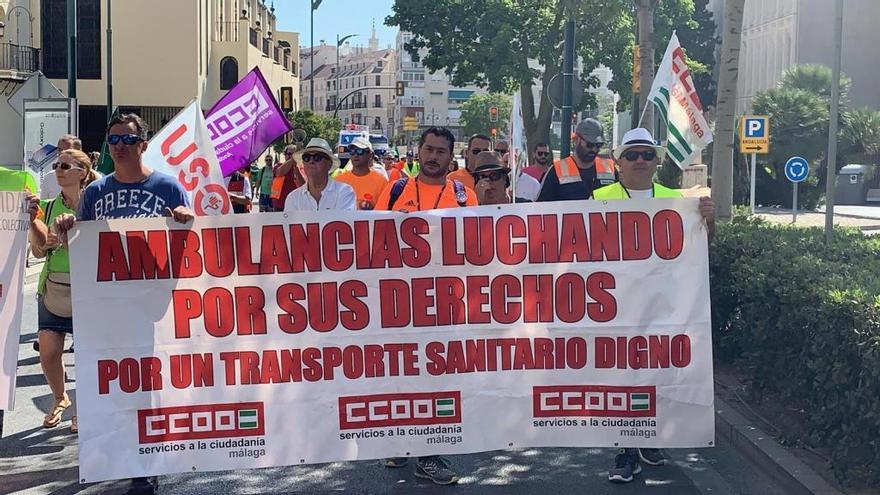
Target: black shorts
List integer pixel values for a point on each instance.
(49, 321)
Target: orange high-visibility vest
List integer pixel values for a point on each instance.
(567, 170)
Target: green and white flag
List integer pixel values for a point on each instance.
(674, 95)
(445, 407)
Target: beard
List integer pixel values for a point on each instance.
(434, 169)
(543, 160)
(585, 154)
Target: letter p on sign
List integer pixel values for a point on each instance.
(756, 128)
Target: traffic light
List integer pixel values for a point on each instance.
(287, 98)
(400, 90)
(493, 114)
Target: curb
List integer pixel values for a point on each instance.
(762, 450)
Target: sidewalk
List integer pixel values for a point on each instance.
(817, 218)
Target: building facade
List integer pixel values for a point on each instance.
(165, 53)
(363, 84)
(428, 97)
(778, 34)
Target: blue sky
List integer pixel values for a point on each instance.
(334, 17)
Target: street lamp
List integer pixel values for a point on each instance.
(315, 5)
(339, 42)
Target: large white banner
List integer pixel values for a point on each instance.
(14, 223)
(266, 340)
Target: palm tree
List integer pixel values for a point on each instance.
(860, 136)
(722, 156)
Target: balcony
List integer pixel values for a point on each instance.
(19, 58)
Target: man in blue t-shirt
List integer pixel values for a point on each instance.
(133, 190)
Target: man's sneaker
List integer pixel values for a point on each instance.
(436, 469)
(652, 457)
(626, 465)
(396, 462)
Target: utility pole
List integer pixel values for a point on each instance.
(832, 127)
(71, 49)
(567, 75)
(645, 15)
(315, 5)
(109, 61)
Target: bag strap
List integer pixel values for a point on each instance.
(396, 191)
(49, 209)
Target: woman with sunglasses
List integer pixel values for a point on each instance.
(74, 172)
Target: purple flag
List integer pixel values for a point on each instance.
(245, 122)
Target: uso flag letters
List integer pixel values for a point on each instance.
(183, 149)
(245, 122)
(271, 340)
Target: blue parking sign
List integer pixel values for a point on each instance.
(755, 127)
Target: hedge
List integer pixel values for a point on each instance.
(802, 320)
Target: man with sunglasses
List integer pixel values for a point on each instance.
(287, 178)
(133, 190)
(320, 192)
(575, 177)
(477, 144)
(492, 178)
(638, 157)
(542, 159)
(366, 182)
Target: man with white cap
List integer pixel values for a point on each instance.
(576, 177)
(638, 157)
(319, 192)
(367, 183)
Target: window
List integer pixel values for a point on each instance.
(420, 76)
(228, 72)
(378, 80)
(378, 102)
(54, 38)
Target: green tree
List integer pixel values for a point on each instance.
(475, 113)
(699, 43)
(799, 111)
(860, 136)
(315, 125)
(491, 43)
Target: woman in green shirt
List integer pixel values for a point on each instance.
(73, 171)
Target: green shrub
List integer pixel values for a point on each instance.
(802, 320)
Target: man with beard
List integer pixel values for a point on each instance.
(575, 177)
(430, 189)
(542, 158)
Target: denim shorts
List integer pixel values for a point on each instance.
(49, 321)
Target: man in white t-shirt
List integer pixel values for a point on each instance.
(319, 192)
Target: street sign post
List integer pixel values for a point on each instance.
(797, 170)
(754, 138)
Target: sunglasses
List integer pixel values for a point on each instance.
(357, 151)
(542, 153)
(128, 139)
(632, 155)
(477, 151)
(590, 145)
(313, 157)
(65, 166)
(492, 176)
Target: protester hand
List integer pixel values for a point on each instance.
(33, 205)
(52, 241)
(481, 188)
(707, 209)
(181, 214)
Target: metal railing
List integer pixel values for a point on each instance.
(19, 58)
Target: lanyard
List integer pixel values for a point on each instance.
(630, 197)
(419, 196)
